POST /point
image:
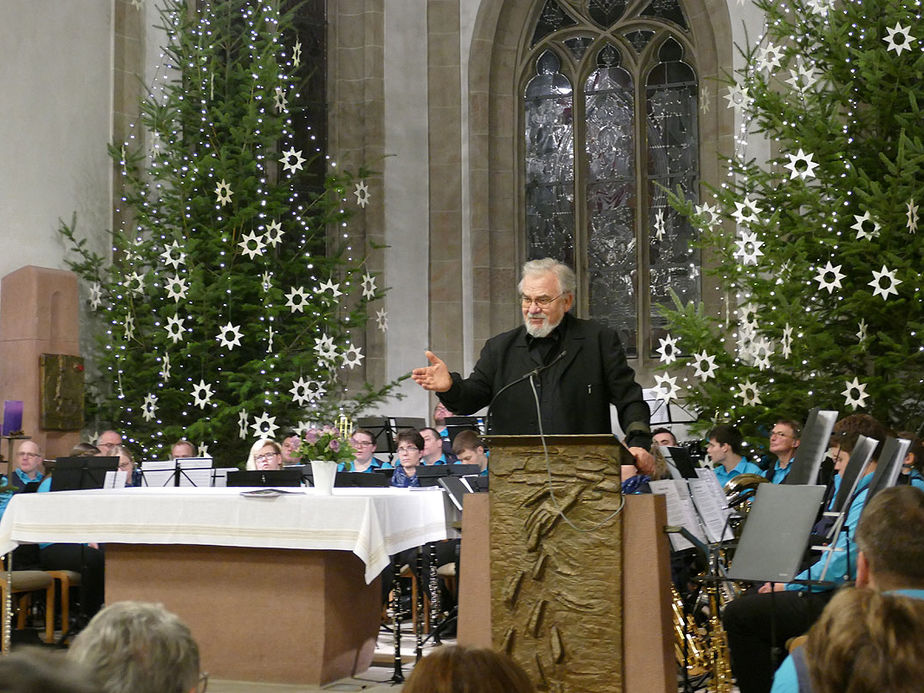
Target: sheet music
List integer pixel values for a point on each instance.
(158, 473)
(115, 479)
(711, 510)
(714, 487)
(220, 476)
(680, 511)
(195, 471)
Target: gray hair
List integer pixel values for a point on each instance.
(29, 669)
(138, 647)
(566, 280)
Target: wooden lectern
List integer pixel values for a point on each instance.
(560, 598)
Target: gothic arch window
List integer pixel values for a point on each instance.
(609, 114)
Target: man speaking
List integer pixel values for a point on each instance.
(577, 367)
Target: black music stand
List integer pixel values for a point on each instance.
(362, 480)
(455, 424)
(82, 473)
(813, 446)
(429, 475)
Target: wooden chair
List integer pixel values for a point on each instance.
(26, 582)
(67, 579)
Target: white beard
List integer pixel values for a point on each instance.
(543, 330)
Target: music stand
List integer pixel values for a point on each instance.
(813, 446)
(681, 460)
(382, 435)
(362, 480)
(889, 467)
(429, 475)
(454, 424)
(265, 477)
(859, 457)
(82, 473)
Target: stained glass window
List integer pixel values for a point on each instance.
(598, 156)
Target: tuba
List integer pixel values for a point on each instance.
(741, 489)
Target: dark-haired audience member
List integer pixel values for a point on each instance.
(433, 452)
(138, 647)
(290, 446)
(363, 443)
(108, 440)
(784, 439)
(756, 623)
(182, 448)
(469, 449)
(725, 450)
(890, 563)
(33, 670)
(410, 445)
(664, 437)
(467, 670)
(913, 464)
(85, 450)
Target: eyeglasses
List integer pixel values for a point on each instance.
(541, 301)
(203, 684)
(266, 456)
(29, 454)
(361, 443)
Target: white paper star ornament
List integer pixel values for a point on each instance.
(223, 193)
(264, 426)
(324, 347)
(175, 328)
(292, 160)
(659, 224)
(748, 248)
(229, 336)
(173, 255)
(300, 391)
(165, 368)
(884, 274)
(177, 288)
(352, 357)
(202, 394)
(912, 214)
(368, 286)
(748, 393)
(297, 299)
(666, 388)
(738, 98)
(862, 330)
(899, 38)
(865, 226)
(329, 285)
(829, 277)
(149, 408)
(362, 193)
(855, 401)
(96, 295)
(252, 244)
(381, 319)
(242, 418)
(705, 366)
(274, 233)
(786, 341)
(134, 282)
(801, 165)
(667, 351)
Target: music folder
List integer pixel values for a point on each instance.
(776, 533)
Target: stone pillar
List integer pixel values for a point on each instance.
(38, 315)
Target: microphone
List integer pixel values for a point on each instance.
(526, 376)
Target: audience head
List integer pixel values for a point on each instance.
(468, 447)
(433, 444)
(108, 440)
(182, 448)
(664, 437)
(126, 459)
(914, 459)
(440, 412)
(265, 454)
(866, 642)
(29, 458)
(410, 446)
(546, 294)
(784, 438)
(848, 430)
(890, 537)
(290, 446)
(724, 439)
(85, 450)
(138, 647)
(32, 670)
(363, 443)
(467, 670)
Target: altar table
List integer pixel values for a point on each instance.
(224, 562)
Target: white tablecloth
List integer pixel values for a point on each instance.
(372, 523)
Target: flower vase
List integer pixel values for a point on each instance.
(323, 472)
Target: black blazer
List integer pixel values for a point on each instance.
(589, 372)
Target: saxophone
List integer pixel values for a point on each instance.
(719, 662)
(689, 646)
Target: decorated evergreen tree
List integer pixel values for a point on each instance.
(234, 305)
(821, 275)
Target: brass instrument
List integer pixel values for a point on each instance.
(738, 486)
(719, 663)
(689, 638)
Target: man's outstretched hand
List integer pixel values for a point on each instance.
(434, 377)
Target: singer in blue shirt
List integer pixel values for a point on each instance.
(577, 367)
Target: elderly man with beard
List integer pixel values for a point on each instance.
(579, 369)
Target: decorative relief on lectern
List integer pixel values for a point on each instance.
(556, 602)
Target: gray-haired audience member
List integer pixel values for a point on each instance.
(138, 647)
(32, 670)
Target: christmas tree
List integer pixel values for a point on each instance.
(815, 249)
(235, 305)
